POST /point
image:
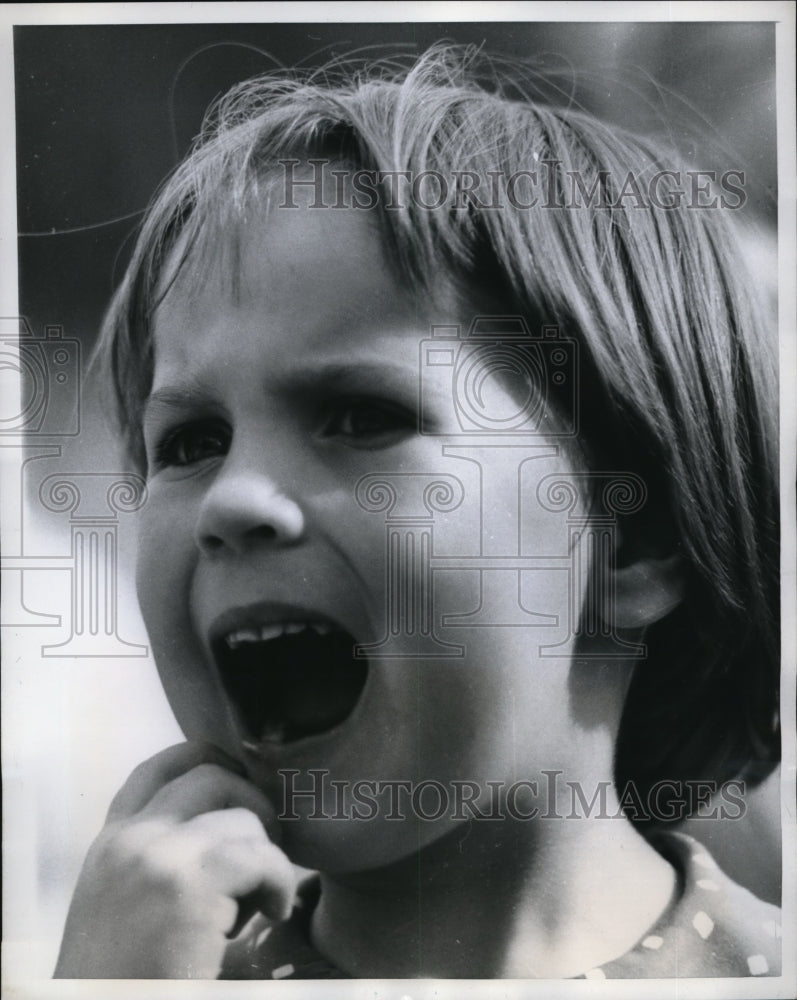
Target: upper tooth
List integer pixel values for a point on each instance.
(274, 631)
(241, 635)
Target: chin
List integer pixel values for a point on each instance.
(350, 846)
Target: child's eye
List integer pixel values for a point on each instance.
(369, 423)
(191, 443)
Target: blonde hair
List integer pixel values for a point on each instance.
(677, 361)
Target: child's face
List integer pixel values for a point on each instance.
(270, 402)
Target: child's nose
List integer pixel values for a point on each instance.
(241, 511)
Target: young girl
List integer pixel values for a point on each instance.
(459, 562)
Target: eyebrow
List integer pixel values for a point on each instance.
(366, 371)
(182, 395)
(198, 392)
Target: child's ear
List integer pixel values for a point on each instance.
(647, 588)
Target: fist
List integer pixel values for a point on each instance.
(183, 862)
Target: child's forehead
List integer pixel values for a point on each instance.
(306, 284)
(296, 260)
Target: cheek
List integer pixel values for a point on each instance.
(164, 571)
(164, 561)
(503, 705)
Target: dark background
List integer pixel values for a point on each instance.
(104, 112)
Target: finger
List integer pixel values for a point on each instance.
(247, 907)
(275, 909)
(257, 874)
(227, 853)
(159, 770)
(247, 864)
(208, 788)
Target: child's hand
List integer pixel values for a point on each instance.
(183, 861)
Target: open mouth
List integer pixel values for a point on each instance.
(290, 680)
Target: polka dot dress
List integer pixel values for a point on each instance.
(714, 928)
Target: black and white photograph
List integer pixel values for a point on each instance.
(398, 505)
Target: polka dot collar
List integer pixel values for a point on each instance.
(713, 928)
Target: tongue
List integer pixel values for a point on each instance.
(295, 685)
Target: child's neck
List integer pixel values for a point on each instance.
(548, 899)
